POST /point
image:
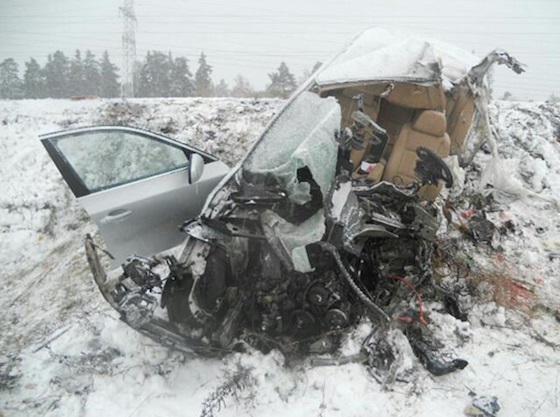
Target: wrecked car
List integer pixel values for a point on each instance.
(328, 220)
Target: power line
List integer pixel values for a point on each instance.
(273, 32)
(308, 18)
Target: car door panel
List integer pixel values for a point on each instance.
(157, 206)
(136, 198)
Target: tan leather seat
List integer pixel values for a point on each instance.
(414, 96)
(392, 118)
(428, 130)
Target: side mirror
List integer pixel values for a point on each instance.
(196, 168)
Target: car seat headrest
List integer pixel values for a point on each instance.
(430, 122)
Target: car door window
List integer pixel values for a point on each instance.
(108, 158)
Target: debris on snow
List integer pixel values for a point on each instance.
(47, 287)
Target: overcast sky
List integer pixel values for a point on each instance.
(252, 37)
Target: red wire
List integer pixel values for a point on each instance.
(422, 318)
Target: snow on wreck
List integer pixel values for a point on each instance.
(396, 92)
(330, 217)
(402, 74)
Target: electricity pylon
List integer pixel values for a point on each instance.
(128, 48)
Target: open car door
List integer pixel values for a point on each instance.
(137, 186)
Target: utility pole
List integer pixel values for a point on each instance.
(128, 48)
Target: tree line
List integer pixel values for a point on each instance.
(159, 74)
(60, 77)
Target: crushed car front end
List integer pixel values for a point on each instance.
(329, 220)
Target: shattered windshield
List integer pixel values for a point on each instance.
(303, 136)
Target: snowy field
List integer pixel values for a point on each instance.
(63, 351)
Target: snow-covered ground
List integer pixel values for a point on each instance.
(63, 351)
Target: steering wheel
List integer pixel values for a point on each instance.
(376, 141)
(431, 169)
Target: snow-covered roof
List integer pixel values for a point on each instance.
(380, 54)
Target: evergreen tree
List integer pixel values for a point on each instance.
(109, 84)
(242, 88)
(76, 76)
(203, 78)
(222, 89)
(92, 75)
(154, 75)
(56, 75)
(283, 82)
(137, 73)
(33, 80)
(142, 78)
(10, 83)
(181, 84)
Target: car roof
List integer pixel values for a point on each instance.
(379, 54)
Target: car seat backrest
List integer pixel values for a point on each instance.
(392, 118)
(431, 123)
(416, 96)
(427, 130)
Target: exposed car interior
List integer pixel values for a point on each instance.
(413, 116)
